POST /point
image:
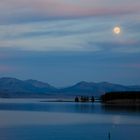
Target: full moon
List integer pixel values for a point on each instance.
(117, 30)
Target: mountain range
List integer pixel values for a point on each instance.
(15, 88)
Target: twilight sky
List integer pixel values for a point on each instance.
(66, 41)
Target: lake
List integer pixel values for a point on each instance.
(33, 119)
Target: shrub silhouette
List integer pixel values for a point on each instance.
(84, 99)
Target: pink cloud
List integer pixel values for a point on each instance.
(5, 69)
(67, 8)
(92, 8)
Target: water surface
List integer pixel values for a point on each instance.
(36, 120)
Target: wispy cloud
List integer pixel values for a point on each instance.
(34, 10)
(121, 46)
(90, 34)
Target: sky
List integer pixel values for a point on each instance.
(66, 41)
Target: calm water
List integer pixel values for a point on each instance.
(36, 120)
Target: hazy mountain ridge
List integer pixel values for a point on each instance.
(12, 87)
(42, 86)
(96, 89)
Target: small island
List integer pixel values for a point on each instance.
(129, 98)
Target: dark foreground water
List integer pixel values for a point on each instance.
(35, 120)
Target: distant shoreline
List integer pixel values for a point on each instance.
(118, 102)
(58, 100)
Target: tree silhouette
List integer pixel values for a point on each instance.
(76, 99)
(92, 99)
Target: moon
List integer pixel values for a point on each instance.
(117, 30)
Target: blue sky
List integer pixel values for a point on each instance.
(63, 41)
